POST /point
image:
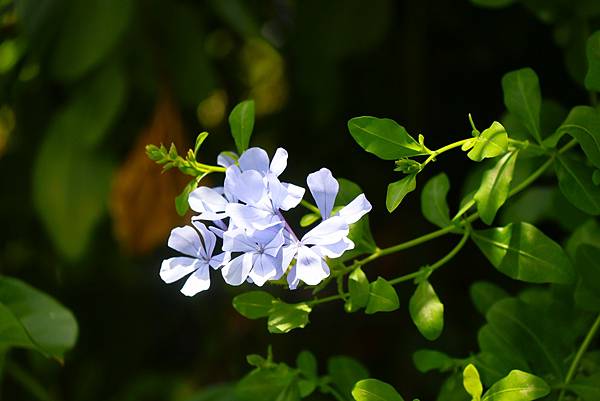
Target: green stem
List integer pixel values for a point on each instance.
(444, 149)
(582, 349)
(310, 206)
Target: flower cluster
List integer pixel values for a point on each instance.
(258, 244)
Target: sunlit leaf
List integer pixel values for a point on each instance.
(426, 311)
(285, 317)
(492, 142)
(253, 304)
(241, 123)
(375, 390)
(382, 297)
(523, 98)
(495, 186)
(358, 287)
(472, 382)
(345, 372)
(517, 386)
(398, 190)
(576, 184)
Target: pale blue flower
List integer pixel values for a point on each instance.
(260, 259)
(199, 257)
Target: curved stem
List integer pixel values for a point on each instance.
(582, 349)
(443, 149)
(310, 206)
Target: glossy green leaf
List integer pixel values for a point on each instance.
(517, 386)
(433, 200)
(519, 208)
(492, 142)
(382, 297)
(587, 388)
(241, 123)
(254, 304)
(345, 372)
(522, 97)
(375, 390)
(285, 317)
(384, 138)
(31, 319)
(426, 360)
(426, 311)
(583, 124)
(586, 233)
(592, 78)
(199, 141)
(84, 40)
(524, 253)
(472, 382)
(397, 191)
(485, 294)
(358, 287)
(576, 184)
(495, 186)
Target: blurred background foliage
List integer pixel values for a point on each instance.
(85, 85)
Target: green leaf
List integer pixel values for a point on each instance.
(241, 122)
(583, 124)
(472, 382)
(382, 297)
(375, 390)
(31, 319)
(452, 389)
(345, 372)
(592, 78)
(524, 253)
(358, 287)
(519, 208)
(492, 142)
(493, 3)
(426, 311)
(84, 40)
(433, 200)
(285, 317)
(181, 201)
(495, 186)
(523, 99)
(307, 363)
(199, 141)
(265, 384)
(485, 294)
(397, 191)
(587, 388)
(253, 304)
(384, 138)
(517, 386)
(426, 360)
(576, 184)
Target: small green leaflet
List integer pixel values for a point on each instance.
(592, 78)
(495, 186)
(382, 297)
(397, 191)
(31, 319)
(472, 382)
(241, 123)
(384, 138)
(375, 390)
(576, 184)
(359, 288)
(433, 200)
(485, 294)
(285, 317)
(522, 97)
(517, 386)
(426, 311)
(253, 304)
(492, 142)
(524, 253)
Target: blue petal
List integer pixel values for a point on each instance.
(199, 281)
(284, 196)
(279, 161)
(238, 241)
(254, 159)
(250, 188)
(310, 267)
(185, 240)
(209, 203)
(263, 269)
(324, 189)
(225, 160)
(356, 209)
(252, 218)
(209, 240)
(176, 268)
(237, 271)
(327, 232)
